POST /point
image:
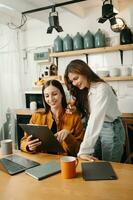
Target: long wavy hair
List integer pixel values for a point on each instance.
(58, 85)
(80, 67)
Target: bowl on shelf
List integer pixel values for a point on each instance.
(114, 72)
(102, 73)
(126, 71)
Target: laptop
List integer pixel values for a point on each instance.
(49, 142)
(98, 171)
(44, 170)
(15, 164)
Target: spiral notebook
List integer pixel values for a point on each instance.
(98, 171)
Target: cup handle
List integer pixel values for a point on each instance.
(77, 161)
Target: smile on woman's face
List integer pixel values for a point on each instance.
(78, 80)
(53, 97)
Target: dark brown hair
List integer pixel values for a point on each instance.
(58, 85)
(80, 67)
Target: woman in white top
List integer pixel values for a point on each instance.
(104, 136)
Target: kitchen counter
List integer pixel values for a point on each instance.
(27, 111)
(127, 115)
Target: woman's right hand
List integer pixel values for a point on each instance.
(71, 108)
(32, 144)
(88, 158)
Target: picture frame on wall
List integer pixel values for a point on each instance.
(42, 54)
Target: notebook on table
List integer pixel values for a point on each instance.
(44, 170)
(98, 171)
(15, 164)
(49, 142)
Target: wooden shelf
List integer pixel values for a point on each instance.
(118, 78)
(92, 51)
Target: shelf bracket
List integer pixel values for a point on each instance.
(86, 55)
(121, 56)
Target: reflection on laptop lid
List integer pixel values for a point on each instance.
(14, 164)
(98, 171)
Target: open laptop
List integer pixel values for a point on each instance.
(15, 164)
(49, 142)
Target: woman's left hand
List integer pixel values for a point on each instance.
(61, 135)
(88, 158)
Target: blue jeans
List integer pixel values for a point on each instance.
(110, 144)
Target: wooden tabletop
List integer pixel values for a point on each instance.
(25, 187)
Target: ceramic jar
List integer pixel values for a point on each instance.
(88, 40)
(78, 42)
(67, 43)
(126, 36)
(58, 44)
(126, 71)
(99, 39)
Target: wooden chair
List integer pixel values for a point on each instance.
(128, 124)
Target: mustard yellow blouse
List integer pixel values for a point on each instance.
(70, 122)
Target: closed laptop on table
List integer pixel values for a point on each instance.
(98, 171)
(44, 170)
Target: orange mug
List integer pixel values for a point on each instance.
(68, 166)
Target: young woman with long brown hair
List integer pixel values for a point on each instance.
(104, 136)
(67, 128)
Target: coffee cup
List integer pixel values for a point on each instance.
(68, 167)
(6, 147)
(33, 105)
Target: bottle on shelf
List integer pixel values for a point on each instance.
(58, 44)
(53, 70)
(126, 36)
(78, 42)
(99, 39)
(67, 43)
(88, 40)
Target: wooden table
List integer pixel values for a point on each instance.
(25, 187)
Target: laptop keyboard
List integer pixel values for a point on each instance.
(11, 167)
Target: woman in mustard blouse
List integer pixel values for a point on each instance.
(67, 128)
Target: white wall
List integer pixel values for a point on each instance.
(35, 36)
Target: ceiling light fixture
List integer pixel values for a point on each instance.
(54, 21)
(107, 11)
(53, 16)
(116, 23)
